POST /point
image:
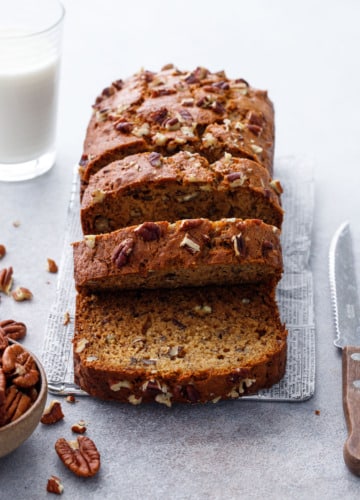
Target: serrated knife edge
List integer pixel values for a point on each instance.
(332, 280)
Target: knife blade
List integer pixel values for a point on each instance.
(346, 310)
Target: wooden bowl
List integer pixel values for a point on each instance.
(15, 433)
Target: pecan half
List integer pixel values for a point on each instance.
(155, 159)
(6, 280)
(16, 403)
(52, 414)
(13, 329)
(149, 231)
(80, 456)
(121, 253)
(21, 365)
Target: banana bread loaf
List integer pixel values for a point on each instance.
(172, 111)
(191, 252)
(187, 345)
(150, 187)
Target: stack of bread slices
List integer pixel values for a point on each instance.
(177, 270)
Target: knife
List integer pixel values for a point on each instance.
(345, 302)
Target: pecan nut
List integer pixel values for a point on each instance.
(13, 329)
(16, 403)
(21, 293)
(21, 365)
(52, 414)
(149, 231)
(122, 252)
(51, 266)
(54, 485)
(6, 280)
(80, 456)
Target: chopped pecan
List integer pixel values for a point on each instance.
(190, 244)
(52, 414)
(155, 159)
(79, 427)
(149, 231)
(122, 252)
(21, 293)
(239, 245)
(118, 84)
(52, 266)
(159, 115)
(80, 456)
(6, 280)
(187, 224)
(21, 365)
(13, 329)
(124, 127)
(54, 485)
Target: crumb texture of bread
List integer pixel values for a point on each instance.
(151, 187)
(183, 345)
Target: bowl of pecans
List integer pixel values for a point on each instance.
(23, 393)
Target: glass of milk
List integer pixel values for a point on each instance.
(30, 43)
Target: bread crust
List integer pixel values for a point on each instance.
(191, 252)
(218, 361)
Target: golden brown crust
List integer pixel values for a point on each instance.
(174, 110)
(183, 345)
(193, 252)
(150, 187)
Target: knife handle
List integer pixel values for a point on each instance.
(351, 404)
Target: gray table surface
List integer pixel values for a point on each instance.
(306, 55)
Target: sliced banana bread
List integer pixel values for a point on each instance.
(149, 187)
(191, 252)
(187, 345)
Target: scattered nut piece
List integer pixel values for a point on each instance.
(52, 266)
(79, 427)
(2, 251)
(54, 485)
(21, 293)
(52, 414)
(16, 223)
(66, 318)
(70, 399)
(317, 412)
(80, 456)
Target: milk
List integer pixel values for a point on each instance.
(28, 96)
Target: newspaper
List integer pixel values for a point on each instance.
(295, 294)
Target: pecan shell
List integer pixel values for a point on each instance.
(80, 456)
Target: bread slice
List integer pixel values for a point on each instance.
(186, 345)
(174, 110)
(149, 187)
(191, 252)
